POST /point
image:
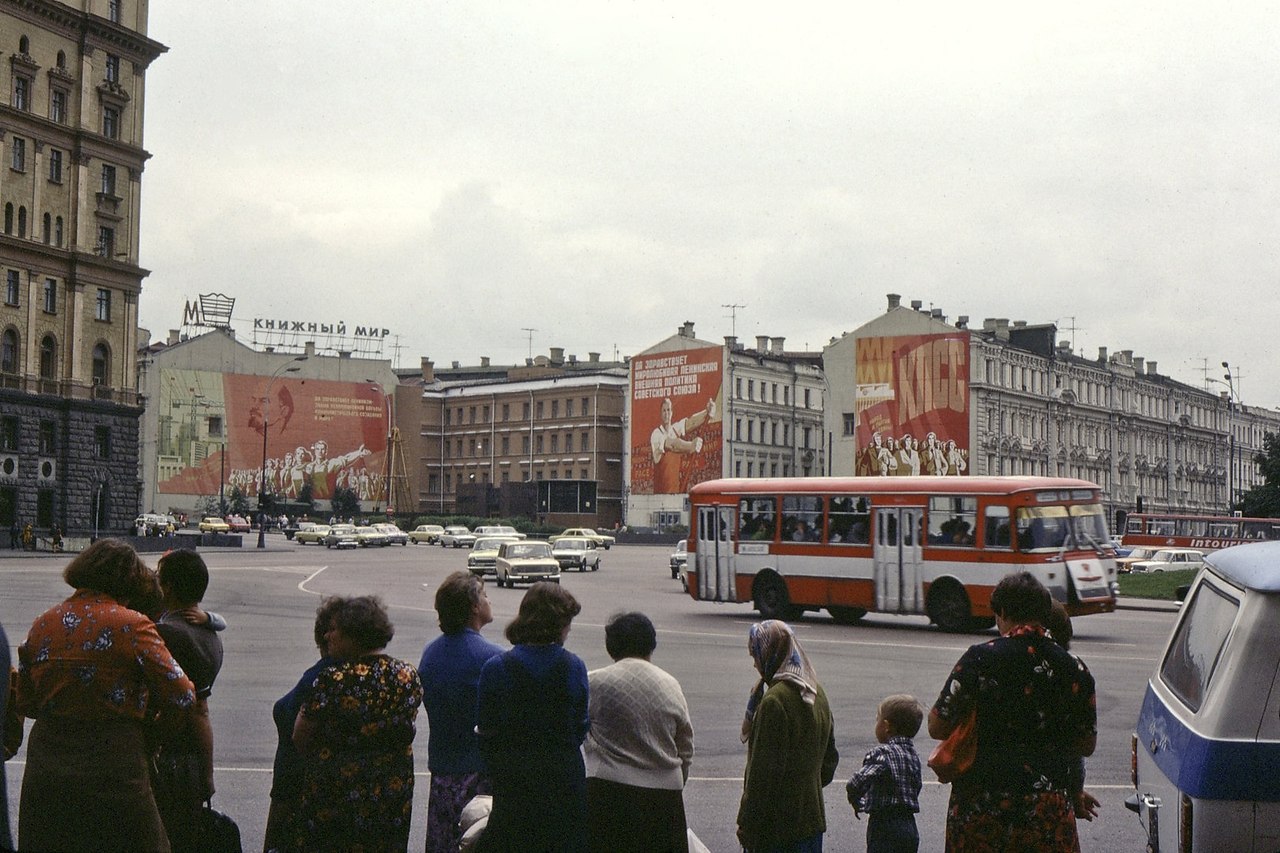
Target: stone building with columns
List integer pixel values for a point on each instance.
(71, 122)
(1009, 398)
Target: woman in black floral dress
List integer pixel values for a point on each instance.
(356, 735)
(1036, 717)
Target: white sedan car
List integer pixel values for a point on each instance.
(1170, 560)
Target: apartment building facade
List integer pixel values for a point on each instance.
(71, 135)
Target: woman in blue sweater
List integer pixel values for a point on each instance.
(532, 713)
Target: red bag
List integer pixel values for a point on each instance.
(955, 754)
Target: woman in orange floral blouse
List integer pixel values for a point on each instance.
(97, 679)
(355, 733)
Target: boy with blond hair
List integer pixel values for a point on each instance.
(887, 787)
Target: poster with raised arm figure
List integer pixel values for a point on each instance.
(913, 405)
(676, 416)
(320, 432)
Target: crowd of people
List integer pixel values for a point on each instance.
(120, 757)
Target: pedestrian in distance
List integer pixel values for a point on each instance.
(639, 747)
(450, 673)
(887, 787)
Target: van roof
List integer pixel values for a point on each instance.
(1252, 566)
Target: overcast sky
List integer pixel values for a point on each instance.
(602, 172)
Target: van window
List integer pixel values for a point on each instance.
(1197, 644)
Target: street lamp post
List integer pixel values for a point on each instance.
(287, 367)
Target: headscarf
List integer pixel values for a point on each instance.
(779, 657)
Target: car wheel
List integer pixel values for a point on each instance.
(596, 567)
(675, 572)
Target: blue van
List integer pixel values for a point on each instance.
(1206, 750)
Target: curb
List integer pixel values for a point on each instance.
(1149, 605)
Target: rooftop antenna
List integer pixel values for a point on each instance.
(733, 315)
(395, 348)
(1073, 328)
(530, 331)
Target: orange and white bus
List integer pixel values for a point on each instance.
(935, 546)
(1202, 532)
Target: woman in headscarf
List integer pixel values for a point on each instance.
(791, 747)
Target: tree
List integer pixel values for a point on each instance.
(307, 497)
(346, 503)
(236, 500)
(1264, 501)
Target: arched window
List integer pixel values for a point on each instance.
(62, 60)
(48, 228)
(57, 231)
(24, 45)
(48, 358)
(9, 351)
(101, 364)
(8, 218)
(22, 221)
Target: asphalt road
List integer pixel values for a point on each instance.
(269, 598)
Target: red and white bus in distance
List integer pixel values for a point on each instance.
(1203, 532)
(912, 545)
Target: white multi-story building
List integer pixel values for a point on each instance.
(1010, 399)
(700, 410)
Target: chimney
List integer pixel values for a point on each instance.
(775, 345)
(456, 365)
(1002, 328)
(1102, 355)
(936, 313)
(528, 362)
(730, 341)
(573, 359)
(962, 322)
(593, 357)
(762, 343)
(895, 300)
(1137, 364)
(428, 370)
(309, 348)
(686, 330)
(1019, 324)
(557, 355)
(484, 361)
(916, 304)
(1127, 356)
(1151, 368)
(173, 337)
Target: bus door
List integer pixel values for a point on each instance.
(714, 553)
(898, 558)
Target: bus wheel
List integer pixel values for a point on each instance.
(949, 606)
(772, 600)
(846, 615)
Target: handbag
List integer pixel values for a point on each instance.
(955, 754)
(217, 831)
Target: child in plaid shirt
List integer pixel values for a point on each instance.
(888, 785)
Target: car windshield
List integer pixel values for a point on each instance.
(572, 545)
(529, 550)
(487, 544)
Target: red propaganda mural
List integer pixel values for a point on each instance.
(676, 410)
(329, 434)
(913, 405)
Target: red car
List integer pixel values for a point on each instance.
(237, 523)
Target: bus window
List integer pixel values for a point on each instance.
(849, 520)
(995, 526)
(1134, 524)
(952, 520)
(756, 519)
(1160, 526)
(1042, 527)
(1089, 526)
(801, 518)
